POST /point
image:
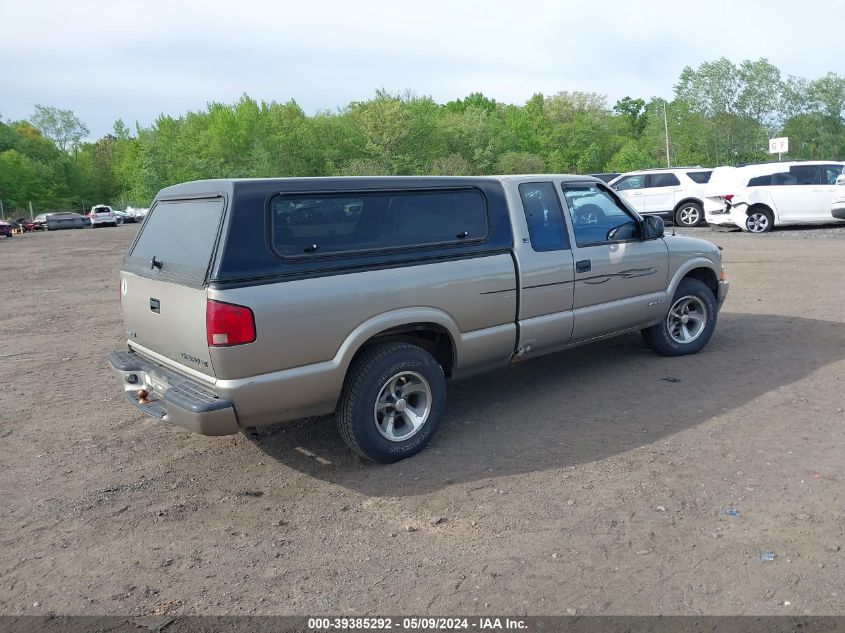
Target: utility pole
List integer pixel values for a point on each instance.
(666, 130)
(30, 209)
(2, 213)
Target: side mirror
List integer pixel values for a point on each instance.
(653, 227)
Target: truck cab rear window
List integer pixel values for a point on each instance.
(180, 234)
(316, 224)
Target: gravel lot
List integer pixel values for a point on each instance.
(595, 481)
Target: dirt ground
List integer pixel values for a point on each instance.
(597, 481)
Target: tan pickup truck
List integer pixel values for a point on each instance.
(253, 302)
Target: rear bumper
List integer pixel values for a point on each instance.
(173, 398)
(720, 219)
(728, 215)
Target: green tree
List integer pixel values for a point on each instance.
(62, 127)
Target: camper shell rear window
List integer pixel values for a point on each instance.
(180, 236)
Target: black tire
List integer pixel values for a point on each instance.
(369, 374)
(759, 220)
(689, 214)
(661, 340)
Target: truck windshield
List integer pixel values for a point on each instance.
(180, 236)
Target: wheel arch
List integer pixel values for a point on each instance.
(700, 268)
(433, 338)
(760, 205)
(433, 330)
(705, 275)
(686, 200)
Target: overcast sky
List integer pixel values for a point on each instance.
(135, 60)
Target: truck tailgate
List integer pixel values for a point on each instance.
(167, 319)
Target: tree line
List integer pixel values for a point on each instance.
(722, 113)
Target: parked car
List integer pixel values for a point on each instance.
(24, 224)
(102, 215)
(756, 198)
(674, 194)
(606, 177)
(58, 221)
(362, 295)
(125, 218)
(39, 222)
(5, 229)
(139, 214)
(837, 208)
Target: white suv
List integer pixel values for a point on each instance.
(675, 194)
(758, 197)
(102, 215)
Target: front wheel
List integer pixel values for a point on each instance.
(689, 214)
(690, 322)
(392, 402)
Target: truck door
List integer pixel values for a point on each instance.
(545, 267)
(620, 279)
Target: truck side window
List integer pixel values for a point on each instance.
(544, 216)
(596, 217)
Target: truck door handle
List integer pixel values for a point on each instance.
(155, 306)
(583, 266)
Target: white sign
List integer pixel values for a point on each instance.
(779, 145)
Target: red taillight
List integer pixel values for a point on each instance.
(728, 197)
(227, 324)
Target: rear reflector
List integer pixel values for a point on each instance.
(728, 197)
(227, 324)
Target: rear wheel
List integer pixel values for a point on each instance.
(688, 326)
(392, 402)
(759, 220)
(689, 214)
